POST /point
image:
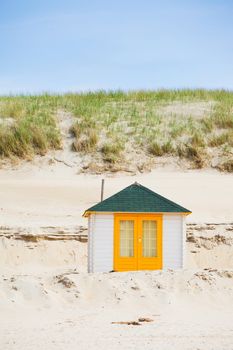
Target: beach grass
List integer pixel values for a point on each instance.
(28, 126)
(182, 123)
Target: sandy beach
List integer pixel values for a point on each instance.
(49, 301)
(56, 195)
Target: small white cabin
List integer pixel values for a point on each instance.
(136, 229)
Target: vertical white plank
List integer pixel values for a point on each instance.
(184, 241)
(102, 243)
(172, 241)
(91, 228)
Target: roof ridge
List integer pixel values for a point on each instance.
(137, 198)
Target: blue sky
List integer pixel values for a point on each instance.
(72, 45)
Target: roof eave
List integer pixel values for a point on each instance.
(89, 212)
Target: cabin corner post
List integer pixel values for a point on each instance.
(184, 255)
(90, 243)
(89, 253)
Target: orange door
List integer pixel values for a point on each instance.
(149, 242)
(125, 243)
(137, 242)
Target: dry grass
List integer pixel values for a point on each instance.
(226, 166)
(32, 129)
(196, 155)
(136, 119)
(112, 151)
(159, 150)
(224, 138)
(86, 143)
(109, 124)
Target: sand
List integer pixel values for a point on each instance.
(58, 196)
(47, 299)
(189, 310)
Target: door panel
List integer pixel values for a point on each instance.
(137, 242)
(150, 242)
(125, 243)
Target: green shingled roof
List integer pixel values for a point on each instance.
(137, 199)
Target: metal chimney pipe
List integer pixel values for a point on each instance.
(102, 190)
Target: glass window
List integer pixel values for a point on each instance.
(149, 237)
(126, 238)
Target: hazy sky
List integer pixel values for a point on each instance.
(72, 45)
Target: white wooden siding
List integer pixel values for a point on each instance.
(173, 241)
(100, 247)
(90, 243)
(100, 242)
(184, 240)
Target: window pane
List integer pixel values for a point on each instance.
(126, 238)
(149, 238)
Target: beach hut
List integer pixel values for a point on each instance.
(136, 229)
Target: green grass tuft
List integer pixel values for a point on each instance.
(86, 144)
(32, 128)
(159, 150)
(112, 151)
(224, 138)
